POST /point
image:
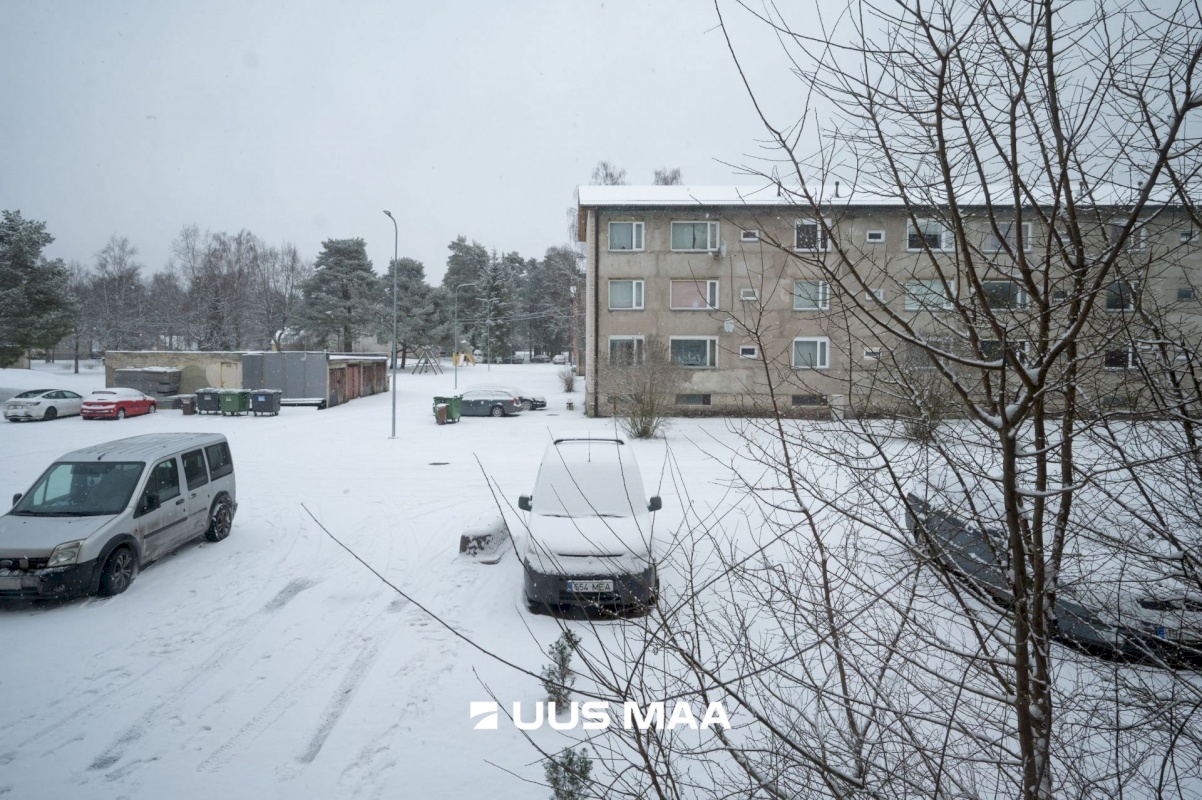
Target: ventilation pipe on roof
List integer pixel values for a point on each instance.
(836, 188)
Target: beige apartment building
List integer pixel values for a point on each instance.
(745, 292)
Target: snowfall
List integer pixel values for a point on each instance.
(273, 663)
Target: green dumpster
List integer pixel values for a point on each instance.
(454, 406)
(235, 401)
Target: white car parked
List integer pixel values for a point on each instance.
(44, 404)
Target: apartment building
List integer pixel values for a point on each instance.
(746, 292)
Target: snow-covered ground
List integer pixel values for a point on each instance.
(273, 664)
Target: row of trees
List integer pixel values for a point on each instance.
(223, 291)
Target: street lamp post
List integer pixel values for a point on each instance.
(395, 240)
(455, 329)
(575, 359)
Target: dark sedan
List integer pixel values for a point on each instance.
(530, 402)
(490, 403)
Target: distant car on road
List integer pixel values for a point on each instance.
(490, 403)
(44, 404)
(117, 403)
(529, 401)
(560, 358)
(541, 358)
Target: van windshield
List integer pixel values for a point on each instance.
(81, 489)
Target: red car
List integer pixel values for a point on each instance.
(117, 404)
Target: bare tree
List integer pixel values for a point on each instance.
(607, 174)
(667, 177)
(117, 296)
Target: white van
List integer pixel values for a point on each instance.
(96, 515)
(590, 532)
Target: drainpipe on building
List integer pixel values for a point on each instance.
(596, 316)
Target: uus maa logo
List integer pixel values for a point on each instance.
(597, 715)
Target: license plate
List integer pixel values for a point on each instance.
(590, 586)
(10, 584)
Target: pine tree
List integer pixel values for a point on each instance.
(343, 298)
(35, 302)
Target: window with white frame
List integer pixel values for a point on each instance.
(693, 295)
(1122, 358)
(872, 353)
(1135, 239)
(626, 295)
(700, 352)
(874, 296)
(749, 351)
(1014, 352)
(1011, 238)
(811, 296)
(808, 234)
(927, 295)
(1120, 296)
(626, 236)
(928, 234)
(1003, 295)
(811, 352)
(626, 350)
(691, 237)
(748, 293)
(876, 237)
(749, 235)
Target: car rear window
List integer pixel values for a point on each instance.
(220, 462)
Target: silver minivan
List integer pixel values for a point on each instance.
(96, 515)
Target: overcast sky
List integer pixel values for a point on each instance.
(302, 121)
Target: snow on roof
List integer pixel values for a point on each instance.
(834, 193)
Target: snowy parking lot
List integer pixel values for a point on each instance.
(272, 664)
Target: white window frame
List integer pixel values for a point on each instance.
(872, 354)
(1133, 290)
(637, 238)
(748, 294)
(638, 294)
(713, 242)
(824, 297)
(1019, 347)
(821, 237)
(875, 296)
(913, 304)
(711, 351)
(994, 245)
(1021, 300)
(947, 240)
(749, 235)
(875, 237)
(1132, 359)
(711, 295)
(749, 351)
(823, 352)
(639, 347)
(1136, 242)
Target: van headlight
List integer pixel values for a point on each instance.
(65, 554)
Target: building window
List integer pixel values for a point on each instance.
(1185, 293)
(626, 350)
(876, 237)
(1135, 240)
(1003, 295)
(927, 295)
(748, 293)
(1120, 296)
(693, 295)
(929, 233)
(698, 352)
(625, 295)
(691, 237)
(1125, 358)
(1007, 241)
(872, 353)
(1185, 237)
(874, 296)
(811, 352)
(991, 350)
(749, 235)
(626, 236)
(810, 235)
(749, 351)
(811, 296)
(693, 399)
(809, 399)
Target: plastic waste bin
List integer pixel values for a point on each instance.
(265, 401)
(208, 401)
(235, 401)
(454, 406)
(440, 413)
(187, 405)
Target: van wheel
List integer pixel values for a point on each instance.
(220, 522)
(497, 411)
(119, 572)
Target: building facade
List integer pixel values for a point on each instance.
(762, 302)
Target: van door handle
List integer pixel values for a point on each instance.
(179, 502)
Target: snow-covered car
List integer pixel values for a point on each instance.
(529, 401)
(1114, 607)
(117, 403)
(490, 403)
(44, 404)
(589, 542)
(559, 358)
(97, 514)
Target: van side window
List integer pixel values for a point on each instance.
(195, 471)
(220, 462)
(164, 480)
